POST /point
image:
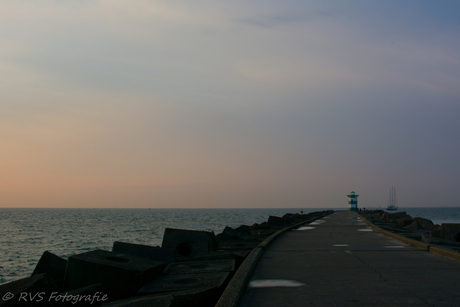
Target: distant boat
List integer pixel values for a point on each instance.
(392, 200)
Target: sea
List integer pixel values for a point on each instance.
(26, 233)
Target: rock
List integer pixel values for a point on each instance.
(189, 243)
(52, 265)
(121, 275)
(195, 267)
(157, 253)
(31, 291)
(450, 231)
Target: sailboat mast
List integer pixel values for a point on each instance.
(394, 197)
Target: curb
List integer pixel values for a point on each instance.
(445, 252)
(434, 249)
(237, 286)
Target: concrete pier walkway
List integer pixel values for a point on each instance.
(340, 261)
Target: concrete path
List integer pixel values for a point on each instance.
(340, 261)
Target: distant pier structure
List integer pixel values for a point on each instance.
(353, 202)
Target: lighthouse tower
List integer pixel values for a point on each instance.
(353, 202)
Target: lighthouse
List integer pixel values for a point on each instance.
(353, 202)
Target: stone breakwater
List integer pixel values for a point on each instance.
(191, 268)
(446, 235)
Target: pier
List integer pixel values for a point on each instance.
(340, 261)
(324, 258)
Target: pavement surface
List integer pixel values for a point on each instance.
(340, 261)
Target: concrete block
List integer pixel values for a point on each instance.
(197, 298)
(255, 238)
(404, 222)
(157, 253)
(52, 265)
(266, 232)
(121, 275)
(144, 301)
(450, 231)
(189, 282)
(31, 291)
(276, 221)
(95, 291)
(229, 233)
(415, 225)
(188, 243)
(195, 267)
(290, 217)
(238, 256)
(237, 233)
(388, 217)
(438, 241)
(436, 233)
(420, 224)
(237, 245)
(204, 297)
(257, 227)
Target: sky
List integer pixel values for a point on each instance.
(229, 104)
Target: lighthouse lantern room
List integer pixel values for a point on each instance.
(353, 202)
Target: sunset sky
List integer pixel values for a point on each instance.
(229, 104)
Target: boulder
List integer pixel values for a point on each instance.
(189, 243)
(120, 275)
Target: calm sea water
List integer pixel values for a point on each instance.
(26, 233)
